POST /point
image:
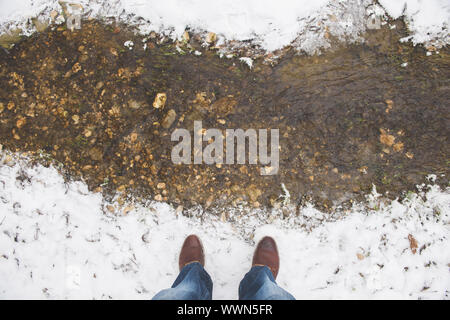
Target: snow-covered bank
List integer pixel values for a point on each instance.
(426, 19)
(307, 25)
(58, 240)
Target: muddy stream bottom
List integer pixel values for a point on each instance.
(350, 118)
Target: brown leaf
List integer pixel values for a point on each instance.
(386, 139)
(412, 243)
(21, 122)
(160, 101)
(76, 67)
(390, 104)
(409, 155)
(398, 146)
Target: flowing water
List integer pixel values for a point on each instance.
(353, 117)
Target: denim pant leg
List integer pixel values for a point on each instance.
(259, 284)
(193, 283)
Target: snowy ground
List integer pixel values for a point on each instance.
(305, 24)
(58, 240)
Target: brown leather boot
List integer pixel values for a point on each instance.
(266, 254)
(191, 251)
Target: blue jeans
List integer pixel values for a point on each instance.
(194, 283)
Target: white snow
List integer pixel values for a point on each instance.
(426, 18)
(248, 61)
(271, 24)
(129, 44)
(58, 240)
(19, 9)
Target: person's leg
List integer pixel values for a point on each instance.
(259, 283)
(193, 282)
